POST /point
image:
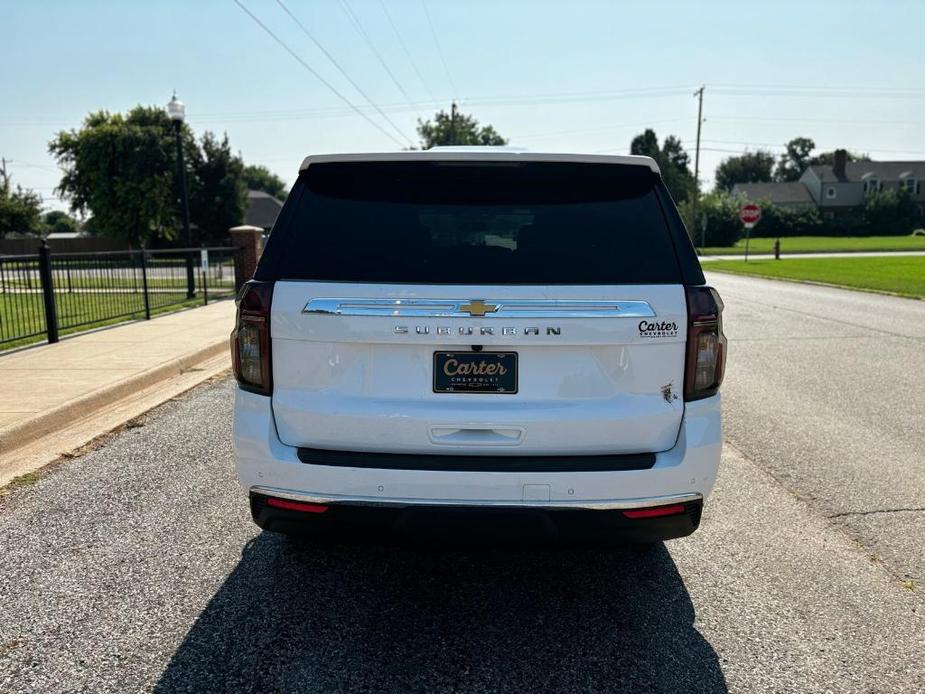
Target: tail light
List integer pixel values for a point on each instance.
(301, 506)
(655, 511)
(706, 344)
(250, 340)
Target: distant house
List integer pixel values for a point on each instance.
(794, 195)
(842, 186)
(262, 209)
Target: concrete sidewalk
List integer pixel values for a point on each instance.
(49, 388)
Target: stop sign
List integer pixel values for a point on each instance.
(750, 214)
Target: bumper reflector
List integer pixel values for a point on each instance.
(655, 511)
(296, 505)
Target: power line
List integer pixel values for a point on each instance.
(491, 101)
(369, 42)
(567, 97)
(826, 121)
(817, 87)
(341, 70)
(819, 93)
(316, 75)
(20, 162)
(819, 147)
(615, 126)
(433, 33)
(498, 101)
(401, 41)
(641, 91)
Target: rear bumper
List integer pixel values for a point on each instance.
(355, 518)
(687, 472)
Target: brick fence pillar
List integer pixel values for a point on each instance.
(250, 240)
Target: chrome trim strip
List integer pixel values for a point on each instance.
(452, 308)
(590, 505)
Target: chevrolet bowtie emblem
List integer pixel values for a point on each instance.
(477, 307)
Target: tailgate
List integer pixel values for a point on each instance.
(599, 369)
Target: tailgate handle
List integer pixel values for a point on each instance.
(476, 436)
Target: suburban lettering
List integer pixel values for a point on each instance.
(464, 331)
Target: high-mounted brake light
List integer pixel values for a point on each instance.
(705, 363)
(250, 339)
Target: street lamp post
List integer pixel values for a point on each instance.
(176, 110)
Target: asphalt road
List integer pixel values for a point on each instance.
(825, 390)
(136, 567)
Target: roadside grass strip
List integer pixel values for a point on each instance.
(822, 244)
(904, 275)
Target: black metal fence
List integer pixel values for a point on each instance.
(48, 293)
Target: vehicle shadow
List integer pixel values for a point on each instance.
(307, 617)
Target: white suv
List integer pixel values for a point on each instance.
(477, 334)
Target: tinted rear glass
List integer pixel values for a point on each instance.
(474, 223)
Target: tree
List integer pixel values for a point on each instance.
(456, 129)
(218, 196)
(646, 145)
(58, 222)
(121, 169)
(674, 154)
(751, 167)
(828, 158)
(672, 160)
(795, 160)
(261, 178)
(19, 208)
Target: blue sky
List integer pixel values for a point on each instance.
(558, 76)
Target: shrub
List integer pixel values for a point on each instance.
(783, 221)
(720, 210)
(889, 212)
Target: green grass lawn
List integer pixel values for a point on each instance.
(824, 244)
(24, 313)
(897, 275)
(124, 278)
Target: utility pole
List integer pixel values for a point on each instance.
(699, 95)
(453, 123)
(3, 171)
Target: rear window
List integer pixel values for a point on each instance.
(474, 223)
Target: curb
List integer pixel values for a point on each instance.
(85, 405)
